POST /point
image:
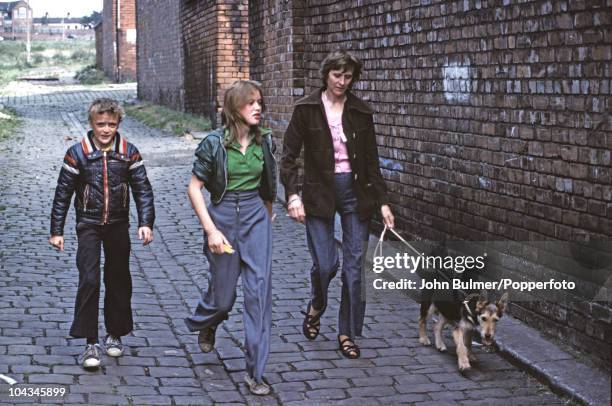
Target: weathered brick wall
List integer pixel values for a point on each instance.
(215, 44)
(119, 40)
(126, 70)
(109, 53)
(199, 50)
(160, 54)
(233, 43)
(99, 46)
(491, 125)
(257, 46)
(277, 56)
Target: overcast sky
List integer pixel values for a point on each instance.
(59, 8)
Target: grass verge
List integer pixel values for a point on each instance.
(8, 123)
(167, 119)
(44, 54)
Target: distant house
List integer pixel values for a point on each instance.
(15, 16)
(59, 25)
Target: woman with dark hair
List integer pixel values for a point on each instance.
(236, 165)
(341, 174)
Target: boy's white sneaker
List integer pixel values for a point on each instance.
(113, 345)
(90, 359)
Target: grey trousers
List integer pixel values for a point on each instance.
(244, 220)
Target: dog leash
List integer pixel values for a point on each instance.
(379, 247)
(378, 251)
(470, 315)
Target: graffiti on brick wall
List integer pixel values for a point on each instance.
(389, 165)
(457, 82)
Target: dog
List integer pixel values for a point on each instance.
(475, 310)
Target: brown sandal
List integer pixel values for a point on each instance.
(350, 351)
(312, 324)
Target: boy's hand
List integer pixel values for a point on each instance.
(146, 234)
(57, 241)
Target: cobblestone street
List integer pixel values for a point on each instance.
(163, 364)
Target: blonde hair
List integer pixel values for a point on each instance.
(103, 105)
(236, 97)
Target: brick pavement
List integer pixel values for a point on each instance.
(163, 364)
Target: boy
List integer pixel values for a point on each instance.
(99, 170)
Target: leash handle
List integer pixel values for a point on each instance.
(378, 250)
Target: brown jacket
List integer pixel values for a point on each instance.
(308, 128)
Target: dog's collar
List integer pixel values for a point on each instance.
(470, 315)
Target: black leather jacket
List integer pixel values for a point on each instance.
(210, 165)
(101, 182)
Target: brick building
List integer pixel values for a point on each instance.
(492, 123)
(15, 17)
(119, 40)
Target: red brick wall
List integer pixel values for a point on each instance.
(160, 53)
(277, 57)
(215, 43)
(119, 41)
(126, 70)
(233, 43)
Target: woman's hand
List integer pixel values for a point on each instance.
(216, 240)
(295, 207)
(387, 216)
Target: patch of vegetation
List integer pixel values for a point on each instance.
(62, 53)
(89, 75)
(167, 119)
(9, 122)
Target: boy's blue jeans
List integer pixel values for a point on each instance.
(322, 247)
(115, 239)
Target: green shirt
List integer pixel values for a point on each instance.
(244, 171)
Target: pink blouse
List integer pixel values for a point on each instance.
(341, 158)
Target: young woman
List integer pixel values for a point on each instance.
(236, 165)
(341, 174)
